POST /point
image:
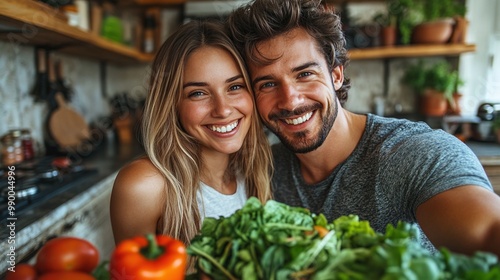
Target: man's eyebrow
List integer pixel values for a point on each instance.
(261, 78)
(305, 66)
(295, 69)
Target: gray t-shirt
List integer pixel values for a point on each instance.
(396, 166)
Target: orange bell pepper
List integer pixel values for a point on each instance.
(149, 258)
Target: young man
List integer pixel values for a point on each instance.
(336, 162)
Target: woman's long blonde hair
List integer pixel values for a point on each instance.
(174, 152)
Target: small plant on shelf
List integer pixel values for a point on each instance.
(411, 13)
(435, 84)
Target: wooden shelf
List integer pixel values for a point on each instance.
(23, 22)
(159, 2)
(410, 51)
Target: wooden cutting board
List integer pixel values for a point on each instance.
(67, 127)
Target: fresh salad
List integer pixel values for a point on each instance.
(276, 241)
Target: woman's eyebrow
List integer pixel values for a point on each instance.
(194, 84)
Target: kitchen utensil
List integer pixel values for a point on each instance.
(67, 127)
(41, 88)
(62, 83)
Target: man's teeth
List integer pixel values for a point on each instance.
(299, 120)
(224, 129)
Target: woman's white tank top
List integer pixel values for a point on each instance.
(212, 203)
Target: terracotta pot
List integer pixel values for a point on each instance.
(433, 32)
(388, 36)
(433, 103)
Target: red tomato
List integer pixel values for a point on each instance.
(23, 271)
(66, 275)
(67, 254)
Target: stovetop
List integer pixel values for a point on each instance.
(37, 181)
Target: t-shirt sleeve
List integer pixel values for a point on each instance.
(430, 163)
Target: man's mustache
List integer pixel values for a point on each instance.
(282, 114)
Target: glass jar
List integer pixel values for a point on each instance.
(27, 144)
(8, 155)
(18, 145)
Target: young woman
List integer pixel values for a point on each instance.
(206, 151)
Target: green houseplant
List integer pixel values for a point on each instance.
(438, 19)
(435, 84)
(408, 14)
(413, 13)
(387, 23)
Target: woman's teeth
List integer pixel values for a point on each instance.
(299, 120)
(224, 129)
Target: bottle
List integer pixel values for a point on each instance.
(71, 11)
(149, 33)
(83, 14)
(112, 28)
(40, 91)
(27, 144)
(54, 86)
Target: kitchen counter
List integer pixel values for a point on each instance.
(489, 156)
(487, 152)
(60, 214)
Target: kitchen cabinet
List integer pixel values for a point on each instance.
(30, 23)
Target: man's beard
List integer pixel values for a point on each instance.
(298, 142)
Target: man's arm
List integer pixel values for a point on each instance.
(465, 219)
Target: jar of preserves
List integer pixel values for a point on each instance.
(18, 145)
(8, 155)
(27, 144)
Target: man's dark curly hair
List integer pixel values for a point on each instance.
(261, 20)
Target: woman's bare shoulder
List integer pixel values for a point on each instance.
(137, 200)
(140, 176)
(140, 171)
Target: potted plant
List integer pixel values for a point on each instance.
(438, 20)
(434, 84)
(416, 17)
(408, 14)
(387, 22)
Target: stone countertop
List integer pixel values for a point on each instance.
(107, 159)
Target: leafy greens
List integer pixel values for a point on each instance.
(276, 241)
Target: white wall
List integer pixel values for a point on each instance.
(477, 68)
